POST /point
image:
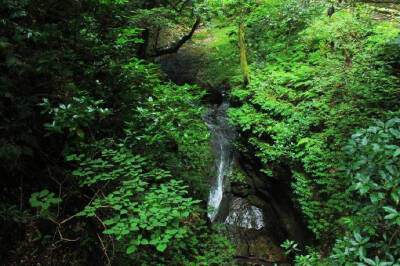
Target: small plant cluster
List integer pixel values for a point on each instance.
(43, 200)
(76, 116)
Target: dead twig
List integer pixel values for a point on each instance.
(104, 250)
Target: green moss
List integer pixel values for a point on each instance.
(221, 56)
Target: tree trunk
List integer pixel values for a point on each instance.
(145, 35)
(243, 57)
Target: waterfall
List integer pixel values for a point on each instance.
(216, 191)
(223, 135)
(241, 213)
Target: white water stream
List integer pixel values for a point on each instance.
(241, 213)
(223, 135)
(216, 191)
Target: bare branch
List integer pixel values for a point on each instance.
(175, 5)
(104, 250)
(175, 47)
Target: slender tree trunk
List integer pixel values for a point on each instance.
(243, 57)
(142, 51)
(145, 36)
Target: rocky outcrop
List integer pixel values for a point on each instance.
(250, 233)
(273, 195)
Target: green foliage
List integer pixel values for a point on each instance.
(234, 10)
(274, 23)
(74, 117)
(314, 258)
(373, 169)
(12, 213)
(290, 246)
(371, 222)
(129, 36)
(43, 200)
(218, 44)
(229, 13)
(315, 79)
(170, 129)
(147, 211)
(139, 206)
(237, 177)
(75, 79)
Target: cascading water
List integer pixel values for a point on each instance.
(223, 135)
(240, 213)
(246, 225)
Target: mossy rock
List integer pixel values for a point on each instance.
(258, 202)
(256, 243)
(266, 247)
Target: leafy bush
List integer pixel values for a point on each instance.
(147, 211)
(373, 222)
(75, 117)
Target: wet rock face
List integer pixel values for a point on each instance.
(243, 214)
(181, 67)
(246, 222)
(248, 231)
(256, 244)
(274, 196)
